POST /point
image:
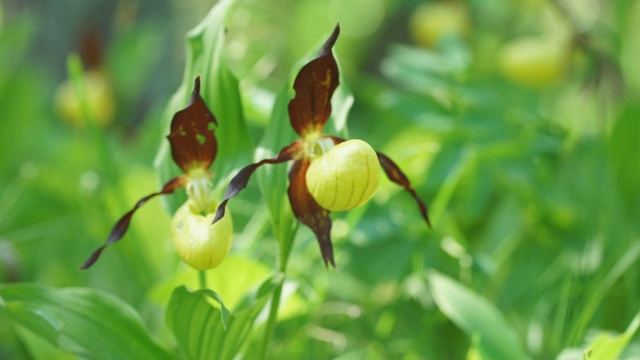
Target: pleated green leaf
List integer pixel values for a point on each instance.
(199, 326)
(81, 321)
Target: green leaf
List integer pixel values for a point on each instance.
(477, 317)
(624, 144)
(609, 347)
(272, 179)
(81, 321)
(206, 56)
(199, 326)
(45, 325)
(39, 348)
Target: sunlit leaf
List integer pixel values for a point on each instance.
(226, 279)
(82, 321)
(609, 347)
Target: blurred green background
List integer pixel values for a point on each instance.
(518, 122)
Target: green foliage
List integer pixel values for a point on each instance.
(75, 321)
(532, 190)
(476, 316)
(204, 332)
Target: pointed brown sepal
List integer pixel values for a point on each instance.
(314, 86)
(192, 139)
(240, 180)
(307, 210)
(397, 176)
(120, 228)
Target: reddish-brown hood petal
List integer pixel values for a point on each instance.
(193, 143)
(314, 86)
(397, 176)
(307, 210)
(120, 228)
(239, 182)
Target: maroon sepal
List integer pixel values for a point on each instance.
(314, 86)
(120, 228)
(192, 139)
(397, 176)
(240, 180)
(307, 210)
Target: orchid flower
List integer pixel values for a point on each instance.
(328, 172)
(193, 148)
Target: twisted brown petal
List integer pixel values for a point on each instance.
(307, 210)
(240, 180)
(120, 228)
(192, 139)
(397, 176)
(314, 86)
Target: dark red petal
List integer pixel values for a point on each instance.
(314, 86)
(397, 176)
(193, 143)
(241, 179)
(120, 228)
(307, 210)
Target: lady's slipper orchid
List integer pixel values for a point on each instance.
(328, 173)
(193, 148)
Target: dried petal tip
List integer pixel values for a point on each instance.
(397, 176)
(328, 45)
(196, 87)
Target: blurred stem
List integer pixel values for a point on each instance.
(202, 279)
(273, 319)
(445, 194)
(283, 259)
(601, 289)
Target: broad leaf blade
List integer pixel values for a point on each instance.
(476, 315)
(87, 322)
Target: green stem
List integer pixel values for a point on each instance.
(272, 321)
(285, 251)
(202, 279)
